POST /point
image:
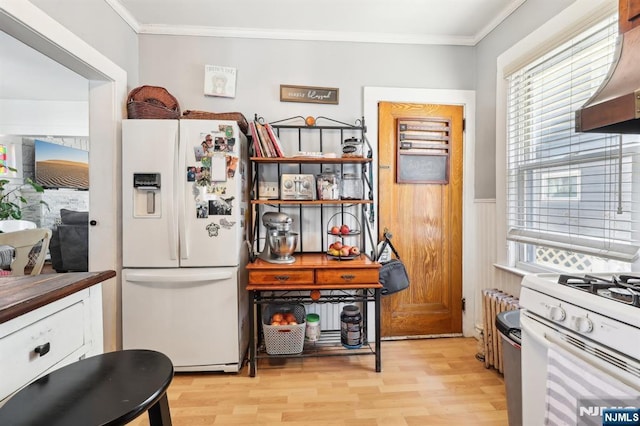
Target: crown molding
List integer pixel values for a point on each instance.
(504, 14)
(124, 14)
(259, 33)
(338, 36)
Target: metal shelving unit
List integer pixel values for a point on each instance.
(329, 343)
(317, 214)
(301, 131)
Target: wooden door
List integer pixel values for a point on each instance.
(420, 203)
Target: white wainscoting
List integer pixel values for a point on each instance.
(483, 273)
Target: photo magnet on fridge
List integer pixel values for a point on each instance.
(225, 144)
(220, 144)
(231, 143)
(232, 165)
(191, 174)
(228, 130)
(202, 210)
(203, 176)
(221, 206)
(199, 152)
(207, 144)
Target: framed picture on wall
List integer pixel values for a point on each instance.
(3, 159)
(10, 156)
(220, 81)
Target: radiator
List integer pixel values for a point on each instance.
(329, 314)
(493, 302)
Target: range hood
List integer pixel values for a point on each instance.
(615, 107)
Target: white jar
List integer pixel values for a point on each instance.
(352, 147)
(328, 186)
(312, 331)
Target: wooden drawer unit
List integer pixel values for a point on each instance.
(353, 281)
(346, 276)
(34, 348)
(281, 276)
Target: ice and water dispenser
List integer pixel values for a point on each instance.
(147, 198)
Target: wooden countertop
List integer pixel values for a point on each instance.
(22, 294)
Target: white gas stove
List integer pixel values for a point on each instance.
(591, 323)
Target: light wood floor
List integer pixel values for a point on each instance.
(423, 382)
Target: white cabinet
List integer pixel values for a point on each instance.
(48, 338)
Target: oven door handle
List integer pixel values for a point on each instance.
(528, 324)
(578, 354)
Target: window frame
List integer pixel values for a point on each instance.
(574, 19)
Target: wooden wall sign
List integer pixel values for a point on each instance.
(309, 94)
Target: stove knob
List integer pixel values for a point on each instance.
(581, 324)
(556, 313)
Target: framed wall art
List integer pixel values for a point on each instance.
(309, 94)
(220, 81)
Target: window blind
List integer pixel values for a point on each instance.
(567, 190)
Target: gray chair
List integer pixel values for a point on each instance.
(22, 242)
(69, 245)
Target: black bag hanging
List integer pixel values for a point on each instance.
(393, 274)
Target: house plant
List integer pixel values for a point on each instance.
(11, 199)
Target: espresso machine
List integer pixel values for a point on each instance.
(280, 241)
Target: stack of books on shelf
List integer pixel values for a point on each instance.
(265, 140)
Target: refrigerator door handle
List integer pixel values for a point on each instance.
(181, 205)
(173, 246)
(171, 216)
(205, 276)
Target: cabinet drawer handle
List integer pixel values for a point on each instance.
(347, 277)
(282, 277)
(42, 350)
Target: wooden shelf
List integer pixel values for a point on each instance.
(311, 202)
(311, 160)
(329, 344)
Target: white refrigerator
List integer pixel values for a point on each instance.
(183, 230)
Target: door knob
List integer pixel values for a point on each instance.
(93, 222)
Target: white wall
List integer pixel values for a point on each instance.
(95, 22)
(30, 117)
(523, 21)
(177, 63)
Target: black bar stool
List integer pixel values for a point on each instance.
(108, 389)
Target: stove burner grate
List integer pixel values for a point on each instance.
(623, 288)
